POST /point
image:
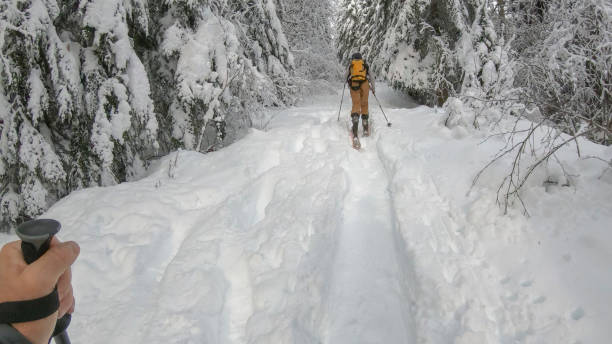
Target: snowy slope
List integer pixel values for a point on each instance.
(291, 236)
(486, 278)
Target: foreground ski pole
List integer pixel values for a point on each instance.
(341, 100)
(36, 238)
(381, 109)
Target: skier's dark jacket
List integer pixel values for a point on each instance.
(8, 335)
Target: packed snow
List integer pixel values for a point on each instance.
(292, 236)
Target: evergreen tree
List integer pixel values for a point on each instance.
(431, 49)
(308, 27)
(402, 40)
(349, 18)
(218, 64)
(564, 63)
(39, 102)
(91, 90)
(116, 90)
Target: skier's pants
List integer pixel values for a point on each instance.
(360, 97)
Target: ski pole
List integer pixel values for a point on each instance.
(341, 100)
(381, 109)
(36, 238)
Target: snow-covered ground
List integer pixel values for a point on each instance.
(292, 236)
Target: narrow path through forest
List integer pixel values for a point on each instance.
(368, 302)
(289, 235)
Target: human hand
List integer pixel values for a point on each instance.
(22, 282)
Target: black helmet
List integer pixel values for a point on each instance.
(356, 56)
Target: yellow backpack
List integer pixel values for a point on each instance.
(358, 71)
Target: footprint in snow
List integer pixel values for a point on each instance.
(578, 313)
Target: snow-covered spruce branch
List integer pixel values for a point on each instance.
(4, 27)
(216, 99)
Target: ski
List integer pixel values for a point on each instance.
(356, 143)
(354, 140)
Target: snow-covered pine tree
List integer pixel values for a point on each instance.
(218, 64)
(483, 58)
(348, 28)
(308, 27)
(266, 77)
(362, 27)
(406, 59)
(408, 42)
(266, 45)
(39, 101)
(87, 84)
(441, 31)
(382, 18)
(57, 133)
(565, 60)
(116, 89)
(432, 49)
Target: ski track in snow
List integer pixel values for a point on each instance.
(368, 302)
(292, 236)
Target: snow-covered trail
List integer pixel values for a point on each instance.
(251, 244)
(291, 236)
(368, 301)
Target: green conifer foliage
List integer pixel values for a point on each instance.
(91, 91)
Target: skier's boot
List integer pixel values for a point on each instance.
(366, 125)
(355, 120)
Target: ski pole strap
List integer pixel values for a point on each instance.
(29, 310)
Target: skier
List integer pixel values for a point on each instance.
(36, 285)
(360, 82)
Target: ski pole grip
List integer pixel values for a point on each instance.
(36, 236)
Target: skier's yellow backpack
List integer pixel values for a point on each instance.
(358, 71)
